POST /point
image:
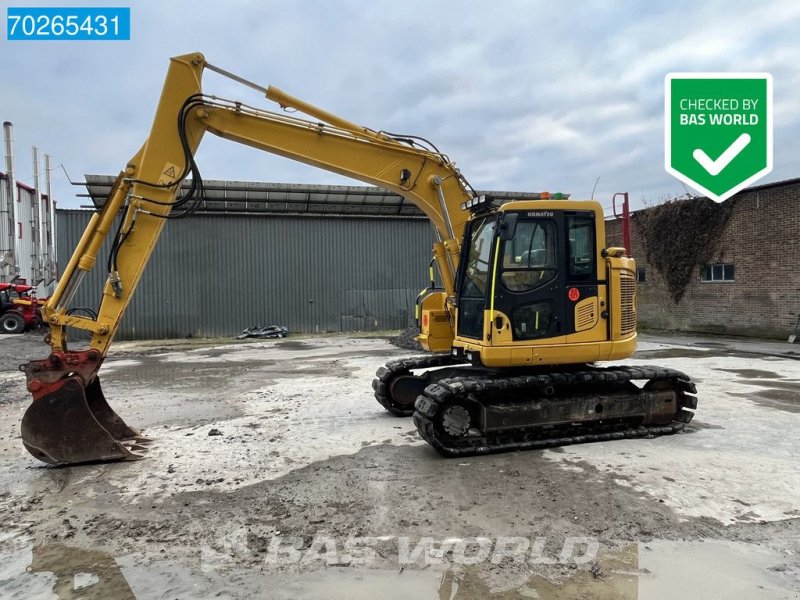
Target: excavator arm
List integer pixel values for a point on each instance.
(69, 420)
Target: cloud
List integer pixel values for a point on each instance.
(522, 95)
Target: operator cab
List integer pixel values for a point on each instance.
(527, 265)
(531, 277)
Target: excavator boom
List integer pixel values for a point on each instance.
(70, 420)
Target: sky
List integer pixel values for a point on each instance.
(522, 95)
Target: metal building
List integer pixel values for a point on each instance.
(26, 216)
(310, 257)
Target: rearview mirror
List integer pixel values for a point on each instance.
(508, 226)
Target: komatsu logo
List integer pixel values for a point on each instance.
(540, 213)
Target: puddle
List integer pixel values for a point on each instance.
(782, 399)
(200, 375)
(652, 571)
(754, 373)
(297, 345)
(465, 583)
(791, 386)
(713, 569)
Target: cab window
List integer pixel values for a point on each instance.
(529, 258)
(476, 274)
(580, 232)
(480, 248)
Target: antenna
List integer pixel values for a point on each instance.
(596, 181)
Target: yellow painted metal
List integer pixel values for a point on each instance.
(55, 297)
(152, 180)
(619, 267)
(597, 333)
(501, 336)
(79, 323)
(436, 330)
(497, 348)
(163, 145)
(442, 258)
(552, 351)
(432, 279)
(162, 148)
(407, 171)
(586, 314)
(28, 301)
(286, 101)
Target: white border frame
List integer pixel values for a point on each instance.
(668, 130)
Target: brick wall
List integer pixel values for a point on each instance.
(762, 240)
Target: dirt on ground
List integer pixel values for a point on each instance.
(407, 339)
(273, 468)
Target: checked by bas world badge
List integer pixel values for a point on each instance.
(718, 130)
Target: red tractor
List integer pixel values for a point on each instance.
(19, 308)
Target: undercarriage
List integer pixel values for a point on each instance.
(465, 410)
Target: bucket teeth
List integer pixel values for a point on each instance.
(73, 425)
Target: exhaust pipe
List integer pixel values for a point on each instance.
(10, 259)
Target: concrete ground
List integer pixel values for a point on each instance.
(274, 473)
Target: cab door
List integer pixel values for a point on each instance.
(474, 279)
(530, 279)
(585, 297)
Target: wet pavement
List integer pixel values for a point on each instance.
(308, 489)
(655, 570)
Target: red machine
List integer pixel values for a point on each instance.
(19, 308)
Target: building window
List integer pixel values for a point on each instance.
(641, 275)
(19, 226)
(718, 272)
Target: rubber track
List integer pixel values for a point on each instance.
(428, 404)
(404, 366)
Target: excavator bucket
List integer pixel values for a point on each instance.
(73, 425)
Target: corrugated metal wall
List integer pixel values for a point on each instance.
(216, 275)
(3, 215)
(30, 260)
(26, 257)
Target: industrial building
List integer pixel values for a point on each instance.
(26, 216)
(319, 258)
(314, 258)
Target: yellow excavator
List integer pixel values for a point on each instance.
(530, 295)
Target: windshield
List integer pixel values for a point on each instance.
(476, 273)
